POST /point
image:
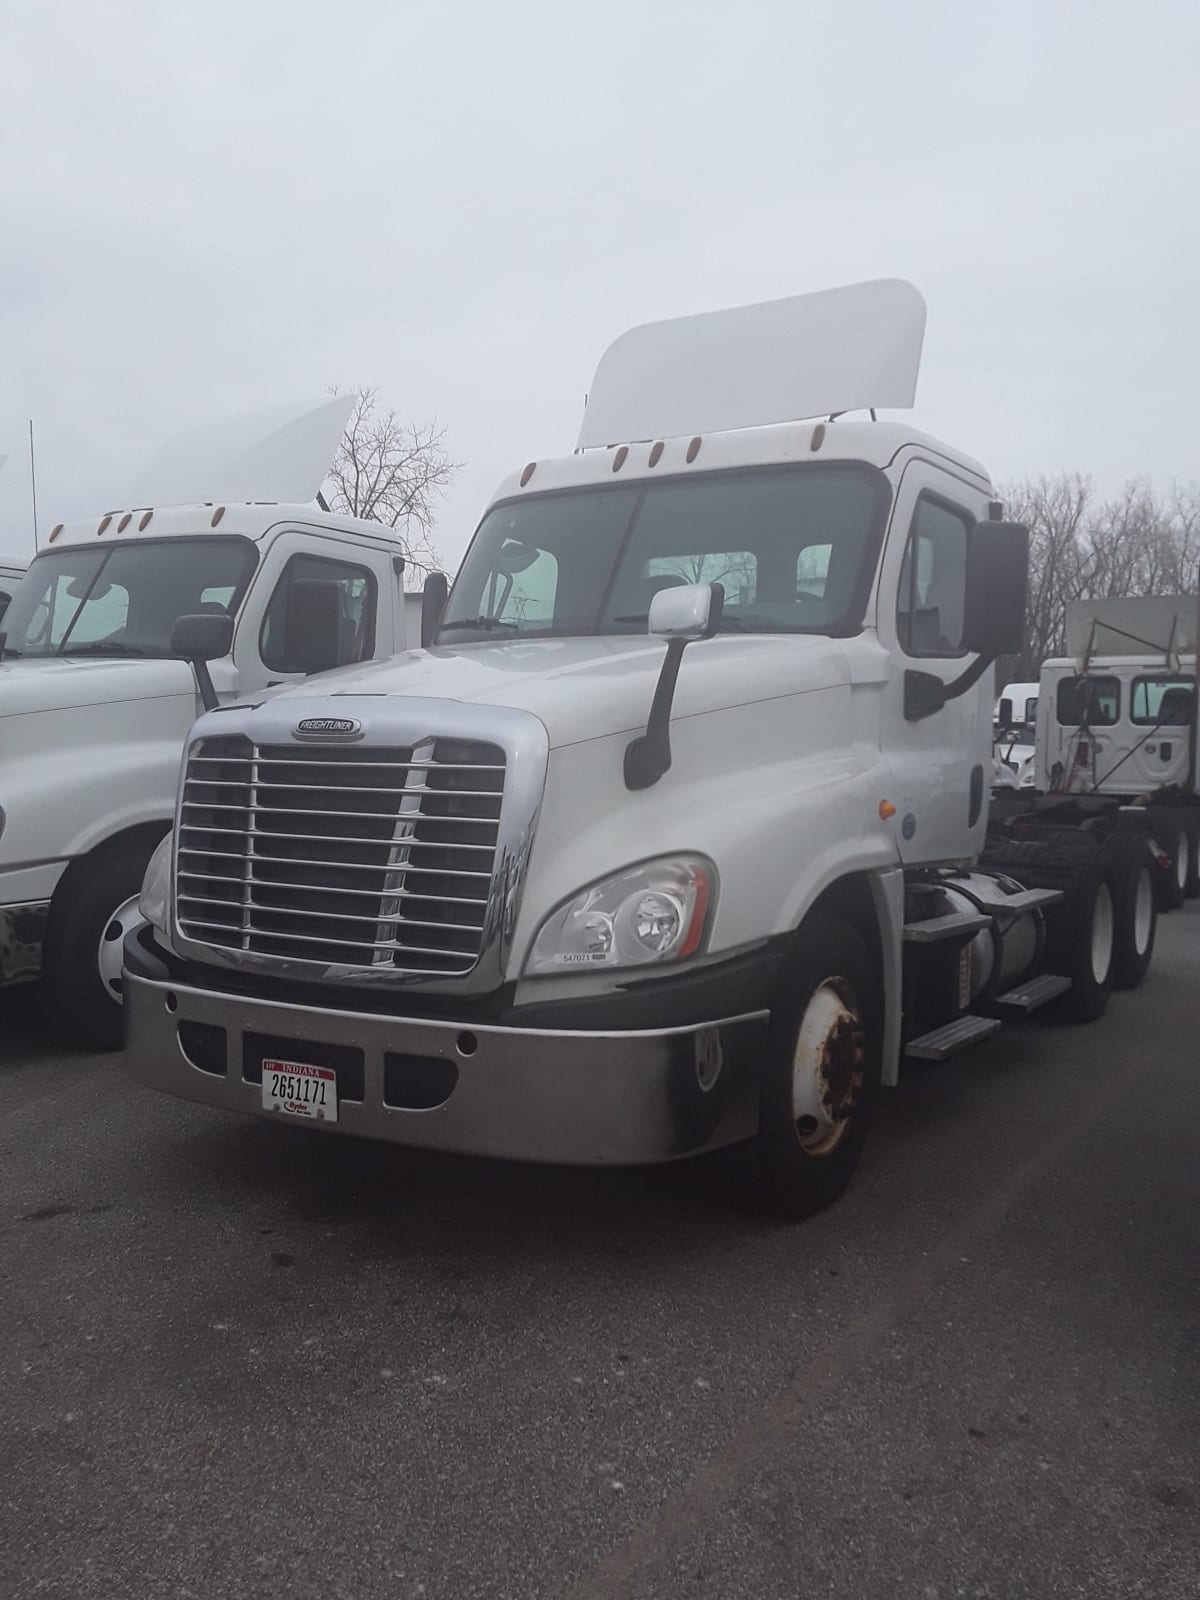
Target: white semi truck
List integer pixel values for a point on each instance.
(94, 708)
(10, 576)
(677, 835)
(1117, 722)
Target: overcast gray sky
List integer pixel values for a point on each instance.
(209, 205)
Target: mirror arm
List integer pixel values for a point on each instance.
(204, 683)
(648, 756)
(925, 694)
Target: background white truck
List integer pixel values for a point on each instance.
(1117, 723)
(678, 836)
(94, 708)
(10, 575)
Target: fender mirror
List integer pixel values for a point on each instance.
(199, 640)
(692, 611)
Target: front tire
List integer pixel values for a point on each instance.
(822, 1070)
(88, 922)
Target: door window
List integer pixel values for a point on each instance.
(1094, 702)
(933, 581)
(1163, 702)
(350, 614)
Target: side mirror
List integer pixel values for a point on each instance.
(692, 611)
(997, 578)
(199, 640)
(433, 603)
(312, 626)
(997, 581)
(1006, 713)
(678, 615)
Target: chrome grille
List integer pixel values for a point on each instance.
(376, 856)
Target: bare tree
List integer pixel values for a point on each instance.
(392, 472)
(1081, 548)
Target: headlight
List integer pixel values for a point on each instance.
(156, 885)
(653, 912)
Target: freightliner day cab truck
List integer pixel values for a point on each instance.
(94, 709)
(676, 835)
(1117, 723)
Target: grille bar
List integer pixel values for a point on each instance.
(390, 766)
(353, 866)
(361, 857)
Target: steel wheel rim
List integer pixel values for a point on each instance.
(1102, 934)
(110, 956)
(827, 1067)
(1143, 912)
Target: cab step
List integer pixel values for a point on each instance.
(952, 1037)
(955, 925)
(1027, 997)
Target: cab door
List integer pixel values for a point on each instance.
(941, 764)
(283, 636)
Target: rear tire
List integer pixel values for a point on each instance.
(88, 920)
(1169, 834)
(1132, 880)
(1192, 829)
(1081, 928)
(824, 1056)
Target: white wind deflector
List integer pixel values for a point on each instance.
(1132, 625)
(811, 355)
(282, 454)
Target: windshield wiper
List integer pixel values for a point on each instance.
(728, 624)
(484, 624)
(104, 647)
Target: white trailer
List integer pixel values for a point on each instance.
(678, 835)
(94, 707)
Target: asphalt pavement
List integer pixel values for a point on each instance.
(244, 1360)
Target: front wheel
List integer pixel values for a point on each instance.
(88, 923)
(822, 1070)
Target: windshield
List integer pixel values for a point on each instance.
(123, 600)
(794, 547)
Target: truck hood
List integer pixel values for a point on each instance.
(588, 688)
(57, 684)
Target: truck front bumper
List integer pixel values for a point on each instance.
(574, 1096)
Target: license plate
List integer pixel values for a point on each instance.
(299, 1090)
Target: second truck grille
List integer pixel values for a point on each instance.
(373, 856)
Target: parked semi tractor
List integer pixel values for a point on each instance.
(677, 834)
(94, 708)
(10, 576)
(1117, 725)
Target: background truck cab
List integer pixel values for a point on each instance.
(1117, 720)
(94, 708)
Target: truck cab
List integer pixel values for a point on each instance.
(94, 708)
(10, 576)
(671, 838)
